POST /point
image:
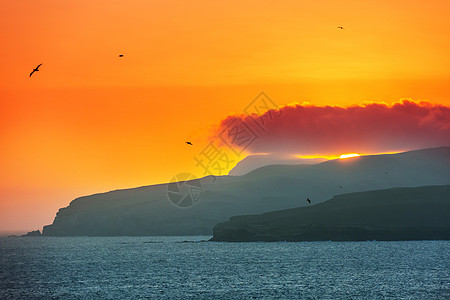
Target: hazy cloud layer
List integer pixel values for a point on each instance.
(309, 129)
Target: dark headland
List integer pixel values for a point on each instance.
(147, 211)
(420, 213)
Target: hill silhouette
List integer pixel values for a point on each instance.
(256, 161)
(147, 210)
(421, 213)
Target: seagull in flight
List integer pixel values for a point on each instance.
(35, 69)
(340, 27)
(189, 143)
(307, 199)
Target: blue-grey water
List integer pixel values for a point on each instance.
(167, 267)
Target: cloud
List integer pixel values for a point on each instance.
(314, 130)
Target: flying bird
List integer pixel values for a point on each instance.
(189, 143)
(307, 199)
(340, 186)
(120, 55)
(35, 69)
(340, 27)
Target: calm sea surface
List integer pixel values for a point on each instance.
(169, 267)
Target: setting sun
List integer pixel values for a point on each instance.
(348, 155)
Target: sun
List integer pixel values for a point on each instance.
(348, 155)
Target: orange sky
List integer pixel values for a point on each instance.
(90, 121)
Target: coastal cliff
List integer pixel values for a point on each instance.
(148, 211)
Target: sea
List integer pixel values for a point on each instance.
(192, 268)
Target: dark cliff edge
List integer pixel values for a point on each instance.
(420, 213)
(147, 211)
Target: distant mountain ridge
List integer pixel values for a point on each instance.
(419, 213)
(256, 161)
(147, 211)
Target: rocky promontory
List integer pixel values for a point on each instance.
(33, 233)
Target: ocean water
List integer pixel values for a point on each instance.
(171, 268)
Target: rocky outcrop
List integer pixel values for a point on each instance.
(33, 233)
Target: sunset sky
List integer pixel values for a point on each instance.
(90, 121)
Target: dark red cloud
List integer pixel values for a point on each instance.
(327, 130)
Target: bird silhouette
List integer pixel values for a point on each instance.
(120, 55)
(189, 143)
(340, 27)
(307, 199)
(340, 186)
(35, 69)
